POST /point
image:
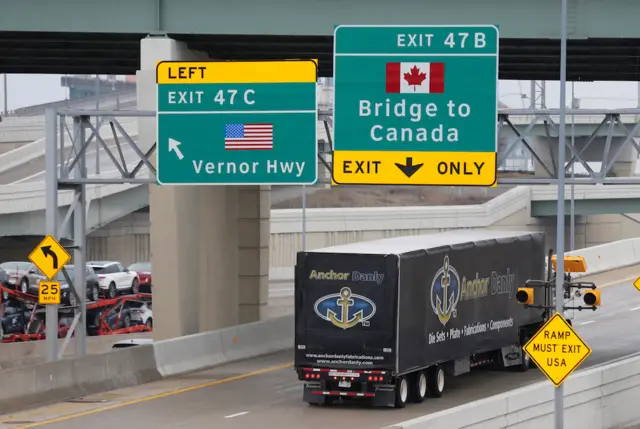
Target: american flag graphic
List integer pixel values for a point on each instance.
(248, 136)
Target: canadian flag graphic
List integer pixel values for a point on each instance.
(415, 78)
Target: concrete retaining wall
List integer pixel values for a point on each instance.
(610, 256)
(603, 397)
(601, 258)
(69, 378)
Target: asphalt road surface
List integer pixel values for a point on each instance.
(265, 392)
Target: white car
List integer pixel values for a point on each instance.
(139, 313)
(132, 342)
(113, 278)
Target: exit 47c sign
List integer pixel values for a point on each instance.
(237, 122)
(415, 105)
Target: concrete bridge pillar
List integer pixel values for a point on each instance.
(209, 244)
(547, 150)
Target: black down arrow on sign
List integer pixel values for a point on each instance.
(408, 168)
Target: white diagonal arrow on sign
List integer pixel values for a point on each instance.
(174, 146)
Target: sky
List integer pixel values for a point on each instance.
(28, 89)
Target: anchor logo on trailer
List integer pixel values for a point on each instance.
(345, 309)
(445, 292)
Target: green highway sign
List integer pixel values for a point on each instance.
(415, 105)
(237, 123)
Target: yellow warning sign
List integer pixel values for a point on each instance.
(49, 293)
(636, 283)
(557, 349)
(414, 168)
(49, 256)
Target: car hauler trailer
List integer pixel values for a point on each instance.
(389, 319)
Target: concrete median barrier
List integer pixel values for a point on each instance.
(73, 377)
(185, 354)
(194, 352)
(55, 381)
(602, 397)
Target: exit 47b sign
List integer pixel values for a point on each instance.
(415, 105)
(237, 122)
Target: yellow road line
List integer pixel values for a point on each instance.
(152, 397)
(617, 282)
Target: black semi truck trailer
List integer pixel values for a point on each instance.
(390, 319)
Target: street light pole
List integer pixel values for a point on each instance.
(572, 244)
(6, 96)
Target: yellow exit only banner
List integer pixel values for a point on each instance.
(414, 168)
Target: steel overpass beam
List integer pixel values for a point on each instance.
(312, 17)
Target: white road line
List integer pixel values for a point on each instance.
(587, 322)
(635, 309)
(236, 415)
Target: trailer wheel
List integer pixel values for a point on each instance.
(402, 392)
(419, 387)
(435, 378)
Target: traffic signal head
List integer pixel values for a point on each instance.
(572, 264)
(525, 295)
(592, 297)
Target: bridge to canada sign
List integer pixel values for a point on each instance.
(415, 105)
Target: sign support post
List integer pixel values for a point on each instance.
(51, 221)
(559, 393)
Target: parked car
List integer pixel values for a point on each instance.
(144, 273)
(113, 278)
(132, 342)
(138, 313)
(4, 281)
(67, 297)
(14, 317)
(18, 272)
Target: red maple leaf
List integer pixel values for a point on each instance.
(415, 78)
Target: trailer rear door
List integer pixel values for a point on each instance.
(345, 311)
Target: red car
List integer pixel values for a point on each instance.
(144, 272)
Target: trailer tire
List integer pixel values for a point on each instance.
(402, 392)
(435, 379)
(419, 387)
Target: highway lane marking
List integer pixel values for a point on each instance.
(152, 397)
(635, 309)
(587, 322)
(236, 415)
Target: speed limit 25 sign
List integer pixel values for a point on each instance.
(49, 293)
